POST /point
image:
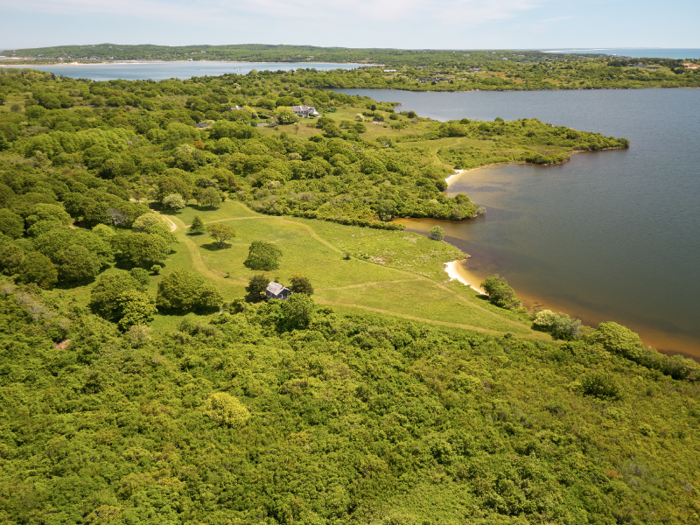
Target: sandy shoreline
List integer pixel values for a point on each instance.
(452, 269)
(452, 177)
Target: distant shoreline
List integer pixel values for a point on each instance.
(23, 63)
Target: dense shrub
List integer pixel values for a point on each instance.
(186, 291)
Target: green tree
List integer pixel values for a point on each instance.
(332, 131)
(78, 264)
(298, 311)
(560, 325)
(500, 294)
(437, 233)
(256, 288)
(137, 335)
(140, 249)
(186, 291)
(42, 227)
(104, 232)
(37, 268)
(618, 339)
(197, 225)
(221, 232)
(135, 308)
(146, 221)
(263, 256)
(301, 284)
(140, 275)
(386, 210)
(208, 197)
(11, 224)
(174, 202)
(105, 294)
(48, 212)
(601, 385)
(285, 116)
(226, 409)
(11, 256)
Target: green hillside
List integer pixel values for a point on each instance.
(144, 380)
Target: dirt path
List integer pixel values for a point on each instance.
(532, 335)
(196, 257)
(200, 266)
(366, 285)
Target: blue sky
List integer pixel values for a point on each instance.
(408, 24)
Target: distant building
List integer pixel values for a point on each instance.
(277, 291)
(390, 71)
(474, 70)
(305, 111)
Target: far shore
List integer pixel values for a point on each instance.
(22, 62)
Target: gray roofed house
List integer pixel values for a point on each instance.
(305, 111)
(277, 291)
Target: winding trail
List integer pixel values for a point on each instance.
(200, 266)
(534, 335)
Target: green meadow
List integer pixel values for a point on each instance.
(396, 273)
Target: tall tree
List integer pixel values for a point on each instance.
(197, 225)
(301, 284)
(221, 232)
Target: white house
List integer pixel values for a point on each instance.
(305, 111)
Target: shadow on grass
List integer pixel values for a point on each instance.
(214, 246)
(196, 207)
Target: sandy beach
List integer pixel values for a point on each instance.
(452, 177)
(452, 269)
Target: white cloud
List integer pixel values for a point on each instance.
(146, 9)
(361, 12)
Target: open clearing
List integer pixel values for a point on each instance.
(395, 273)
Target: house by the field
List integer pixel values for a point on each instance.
(305, 111)
(277, 291)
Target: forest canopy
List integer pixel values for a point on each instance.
(135, 387)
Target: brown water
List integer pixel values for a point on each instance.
(560, 253)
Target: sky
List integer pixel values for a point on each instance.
(405, 24)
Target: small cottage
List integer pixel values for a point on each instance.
(277, 291)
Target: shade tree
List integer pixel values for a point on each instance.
(263, 256)
(186, 291)
(221, 232)
(255, 290)
(301, 284)
(77, 264)
(37, 268)
(208, 197)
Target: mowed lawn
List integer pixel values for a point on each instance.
(392, 272)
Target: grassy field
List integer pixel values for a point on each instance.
(389, 272)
